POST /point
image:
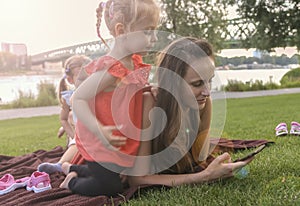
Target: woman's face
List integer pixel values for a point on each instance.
(198, 79)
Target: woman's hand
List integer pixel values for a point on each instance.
(223, 167)
(112, 140)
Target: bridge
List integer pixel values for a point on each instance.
(92, 49)
(239, 28)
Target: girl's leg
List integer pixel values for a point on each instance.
(81, 170)
(57, 167)
(102, 182)
(69, 154)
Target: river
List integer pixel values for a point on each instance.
(11, 85)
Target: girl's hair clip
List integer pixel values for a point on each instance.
(67, 70)
(103, 5)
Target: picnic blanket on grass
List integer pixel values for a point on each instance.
(25, 165)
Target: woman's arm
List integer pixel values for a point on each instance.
(218, 169)
(143, 160)
(205, 115)
(200, 148)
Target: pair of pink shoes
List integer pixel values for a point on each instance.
(282, 130)
(37, 182)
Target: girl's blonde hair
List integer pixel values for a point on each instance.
(127, 12)
(70, 64)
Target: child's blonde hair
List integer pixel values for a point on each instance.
(70, 64)
(127, 12)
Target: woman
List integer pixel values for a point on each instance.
(180, 145)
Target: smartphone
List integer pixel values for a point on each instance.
(258, 150)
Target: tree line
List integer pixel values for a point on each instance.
(262, 24)
(282, 60)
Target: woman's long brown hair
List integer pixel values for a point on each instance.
(172, 59)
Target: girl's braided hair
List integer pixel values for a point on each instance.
(127, 12)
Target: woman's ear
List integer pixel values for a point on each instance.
(119, 29)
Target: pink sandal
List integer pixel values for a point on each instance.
(39, 182)
(281, 129)
(9, 184)
(295, 128)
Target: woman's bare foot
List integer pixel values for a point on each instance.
(65, 167)
(65, 183)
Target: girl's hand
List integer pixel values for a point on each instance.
(60, 132)
(223, 167)
(112, 140)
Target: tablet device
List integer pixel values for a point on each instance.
(258, 150)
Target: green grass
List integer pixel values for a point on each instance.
(274, 177)
(26, 135)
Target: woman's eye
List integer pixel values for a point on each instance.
(198, 83)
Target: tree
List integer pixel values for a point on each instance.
(277, 22)
(295, 59)
(197, 18)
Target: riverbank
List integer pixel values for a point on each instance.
(28, 73)
(55, 110)
(29, 112)
(11, 85)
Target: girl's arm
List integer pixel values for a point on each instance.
(96, 82)
(83, 75)
(218, 169)
(64, 119)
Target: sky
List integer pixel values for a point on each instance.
(45, 25)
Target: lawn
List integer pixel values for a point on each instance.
(274, 177)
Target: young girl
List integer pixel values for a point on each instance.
(179, 152)
(66, 88)
(109, 102)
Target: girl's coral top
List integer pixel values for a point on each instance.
(122, 106)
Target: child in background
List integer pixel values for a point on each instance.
(113, 94)
(66, 88)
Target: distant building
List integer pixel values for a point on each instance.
(17, 49)
(20, 50)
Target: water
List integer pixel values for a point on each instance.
(10, 85)
(265, 75)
